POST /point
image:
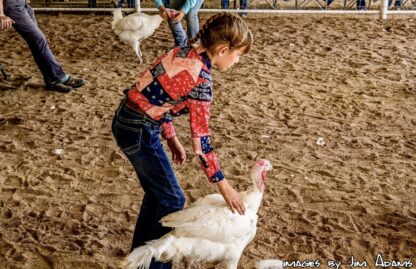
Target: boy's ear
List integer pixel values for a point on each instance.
(222, 49)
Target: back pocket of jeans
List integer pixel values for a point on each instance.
(128, 138)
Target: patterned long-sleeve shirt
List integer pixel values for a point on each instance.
(180, 82)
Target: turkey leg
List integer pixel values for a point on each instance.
(136, 48)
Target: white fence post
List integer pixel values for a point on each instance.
(383, 9)
(137, 8)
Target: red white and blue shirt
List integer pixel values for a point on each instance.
(180, 82)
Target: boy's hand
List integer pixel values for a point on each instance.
(178, 152)
(231, 197)
(6, 22)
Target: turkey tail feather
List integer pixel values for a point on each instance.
(141, 257)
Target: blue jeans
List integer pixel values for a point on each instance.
(138, 136)
(226, 3)
(397, 3)
(361, 4)
(92, 3)
(191, 20)
(130, 3)
(25, 24)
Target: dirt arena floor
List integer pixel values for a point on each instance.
(349, 82)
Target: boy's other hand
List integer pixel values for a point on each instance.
(178, 151)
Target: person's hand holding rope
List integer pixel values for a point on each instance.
(164, 13)
(178, 16)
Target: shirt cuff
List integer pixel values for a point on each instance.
(217, 177)
(168, 130)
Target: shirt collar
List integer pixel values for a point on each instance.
(206, 59)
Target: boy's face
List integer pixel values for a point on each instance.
(225, 58)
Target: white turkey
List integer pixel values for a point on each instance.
(134, 28)
(207, 231)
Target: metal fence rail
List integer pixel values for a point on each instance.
(253, 4)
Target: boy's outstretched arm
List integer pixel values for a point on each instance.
(199, 110)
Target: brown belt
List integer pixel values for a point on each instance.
(133, 106)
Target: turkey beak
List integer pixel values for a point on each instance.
(267, 167)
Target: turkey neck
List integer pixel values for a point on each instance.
(252, 197)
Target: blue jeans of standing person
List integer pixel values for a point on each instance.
(138, 136)
(361, 5)
(129, 3)
(397, 3)
(26, 25)
(92, 3)
(226, 3)
(179, 35)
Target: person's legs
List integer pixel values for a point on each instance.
(225, 4)
(243, 5)
(144, 223)
(163, 194)
(360, 4)
(178, 32)
(140, 142)
(92, 3)
(192, 20)
(25, 24)
(132, 3)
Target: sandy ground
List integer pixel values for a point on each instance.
(348, 80)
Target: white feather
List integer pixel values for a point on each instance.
(214, 198)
